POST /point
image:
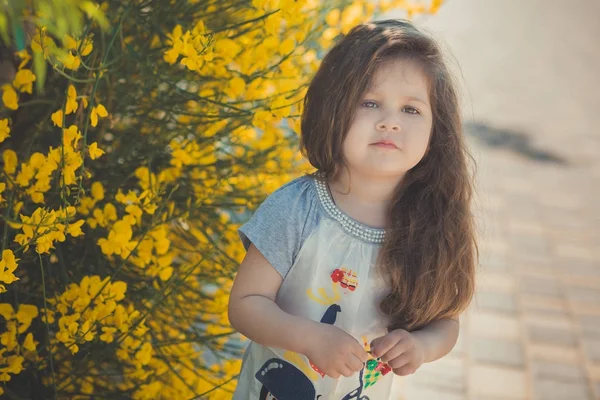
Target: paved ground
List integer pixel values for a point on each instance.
(531, 69)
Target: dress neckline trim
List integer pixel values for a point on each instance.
(352, 226)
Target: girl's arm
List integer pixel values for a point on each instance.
(438, 338)
(254, 313)
(252, 308)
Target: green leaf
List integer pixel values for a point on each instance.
(39, 69)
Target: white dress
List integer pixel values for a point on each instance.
(327, 260)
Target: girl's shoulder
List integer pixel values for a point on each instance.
(281, 224)
(298, 191)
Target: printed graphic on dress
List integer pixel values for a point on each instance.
(283, 381)
(346, 278)
(303, 365)
(343, 278)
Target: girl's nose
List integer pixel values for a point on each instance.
(388, 125)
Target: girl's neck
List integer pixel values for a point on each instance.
(364, 198)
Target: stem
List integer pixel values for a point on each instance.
(49, 344)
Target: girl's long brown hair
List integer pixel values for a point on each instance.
(429, 252)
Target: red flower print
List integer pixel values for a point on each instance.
(337, 275)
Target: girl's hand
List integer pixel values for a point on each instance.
(401, 350)
(334, 352)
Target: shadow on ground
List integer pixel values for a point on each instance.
(516, 142)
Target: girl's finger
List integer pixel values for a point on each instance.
(383, 344)
(400, 361)
(354, 364)
(346, 371)
(400, 348)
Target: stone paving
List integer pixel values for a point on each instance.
(531, 73)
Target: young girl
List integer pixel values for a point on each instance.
(356, 274)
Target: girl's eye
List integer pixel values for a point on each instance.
(370, 104)
(412, 110)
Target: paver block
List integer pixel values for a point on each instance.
(538, 285)
(548, 389)
(549, 352)
(591, 349)
(497, 351)
(557, 371)
(494, 325)
(580, 294)
(544, 334)
(446, 374)
(494, 381)
(590, 325)
(496, 301)
(424, 393)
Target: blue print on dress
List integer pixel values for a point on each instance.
(330, 315)
(284, 381)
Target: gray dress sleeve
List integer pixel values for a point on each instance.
(282, 222)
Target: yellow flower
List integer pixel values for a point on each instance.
(98, 111)
(75, 228)
(71, 137)
(10, 161)
(171, 56)
(8, 265)
(118, 238)
(69, 60)
(9, 97)
(435, 6)
(94, 151)
(117, 290)
(237, 86)
(25, 58)
(25, 175)
(24, 81)
(351, 16)
(72, 44)
(87, 47)
(135, 211)
(110, 212)
(333, 17)
(4, 130)
(15, 365)
(87, 331)
(57, 118)
(97, 191)
(26, 314)
(37, 198)
(287, 46)
(227, 48)
(29, 343)
(144, 354)
(71, 100)
(7, 311)
(108, 335)
(166, 273)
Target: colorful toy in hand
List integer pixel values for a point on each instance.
(374, 368)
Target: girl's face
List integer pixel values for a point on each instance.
(390, 132)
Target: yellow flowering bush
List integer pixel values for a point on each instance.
(135, 137)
